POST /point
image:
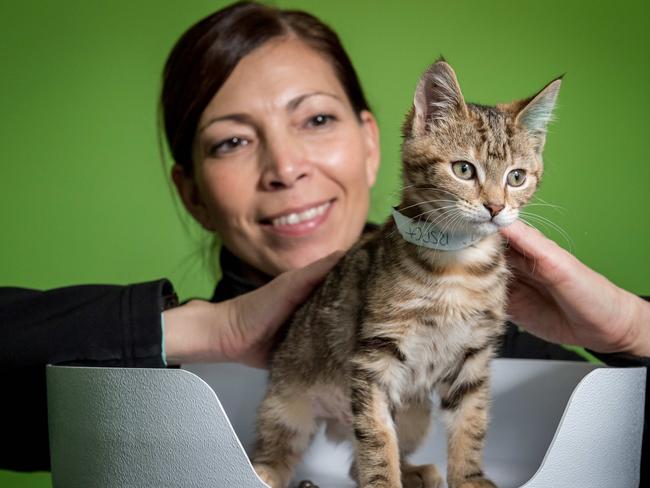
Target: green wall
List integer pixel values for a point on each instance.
(84, 197)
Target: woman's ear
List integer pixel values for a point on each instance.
(373, 155)
(188, 190)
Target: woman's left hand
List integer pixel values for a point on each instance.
(240, 329)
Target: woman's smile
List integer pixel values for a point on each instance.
(299, 222)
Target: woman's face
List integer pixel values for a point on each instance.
(283, 165)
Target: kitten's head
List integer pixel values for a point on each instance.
(470, 168)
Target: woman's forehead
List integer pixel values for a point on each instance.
(272, 77)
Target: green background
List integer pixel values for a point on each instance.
(85, 198)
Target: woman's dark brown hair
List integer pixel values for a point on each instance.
(208, 52)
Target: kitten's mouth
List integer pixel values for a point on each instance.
(482, 226)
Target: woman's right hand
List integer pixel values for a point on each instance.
(240, 329)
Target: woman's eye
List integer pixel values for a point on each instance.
(227, 145)
(464, 170)
(516, 177)
(320, 120)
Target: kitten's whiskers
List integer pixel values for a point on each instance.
(545, 221)
(534, 227)
(424, 203)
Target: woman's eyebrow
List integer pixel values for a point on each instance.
(240, 118)
(295, 102)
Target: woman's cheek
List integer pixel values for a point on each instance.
(227, 190)
(342, 154)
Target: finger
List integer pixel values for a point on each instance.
(293, 287)
(517, 261)
(546, 260)
(525, 266)
(529, 241)
(531, 307)
(314, 273)
(302, 281)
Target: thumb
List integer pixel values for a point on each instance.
(274, 302)
(254, 317)
(299, 283)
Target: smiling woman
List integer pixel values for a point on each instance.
(282, 163)
(280, 160)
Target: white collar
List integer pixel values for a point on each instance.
(426, 235)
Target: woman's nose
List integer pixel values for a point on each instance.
(283, 165)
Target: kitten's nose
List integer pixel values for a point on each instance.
(494, 208)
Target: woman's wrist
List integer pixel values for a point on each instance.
(639, 323)
(192, 332)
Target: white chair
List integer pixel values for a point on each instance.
(554, 425)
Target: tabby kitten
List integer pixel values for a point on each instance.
(415, 306)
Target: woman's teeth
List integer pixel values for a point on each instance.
(296, 218)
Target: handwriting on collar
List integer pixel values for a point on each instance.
(428, 236)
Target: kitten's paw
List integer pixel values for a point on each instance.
(423, 476)
(268, 475)
(307, 484)
(477, 483)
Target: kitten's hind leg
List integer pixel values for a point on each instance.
(285, 426)
(412, 424)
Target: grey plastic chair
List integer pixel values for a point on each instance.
(554, 425)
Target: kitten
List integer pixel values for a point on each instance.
(415, 306)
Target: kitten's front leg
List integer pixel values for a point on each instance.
(465, 401)
(377, 451)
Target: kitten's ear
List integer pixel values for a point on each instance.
(535, 113)
(437, 96)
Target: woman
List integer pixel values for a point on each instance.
(276, 151)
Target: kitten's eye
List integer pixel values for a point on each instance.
(516, 177)
(227, 145)
(464, 170)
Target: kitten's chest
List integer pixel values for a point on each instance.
(440, 317)
(430, 353)
(448, 285)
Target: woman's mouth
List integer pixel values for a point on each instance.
(301, 222)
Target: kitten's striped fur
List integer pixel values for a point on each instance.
(393, 321)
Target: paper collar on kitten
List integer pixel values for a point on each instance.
(423, 233)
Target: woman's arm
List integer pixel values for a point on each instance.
(95, 324)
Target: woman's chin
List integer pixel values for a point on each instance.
(303, 257)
